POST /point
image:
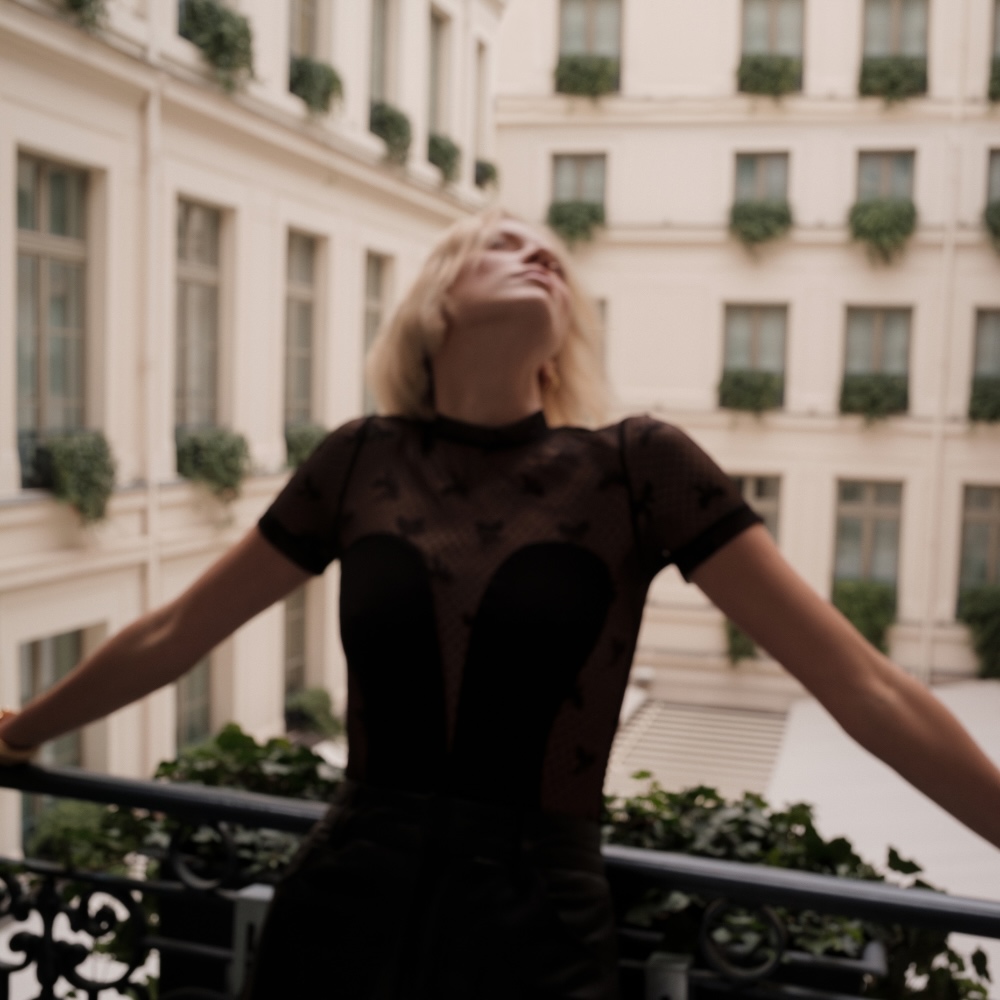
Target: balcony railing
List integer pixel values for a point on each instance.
(34, 893)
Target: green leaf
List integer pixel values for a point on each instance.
(769, 74)
(575, 221)
(901, 865)
(885, 225)
(587, 75)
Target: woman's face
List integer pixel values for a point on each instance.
(516, 281)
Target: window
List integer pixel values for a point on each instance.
(761, 176)
(980, 564)
(896, 28)
(755, 338)
(993, 191)
(198, 279)
(437, 86)
(763, 493)
(51, 280)
(376, 267)
(878, 342)
(295, 641)
(987, 354)
(868, 531)
(885, 175)
(379, 69)
(299, 324)
(578, 178)
(590, 27)
(194, 705)
(304, 28)
(482, 102)
(772, 27)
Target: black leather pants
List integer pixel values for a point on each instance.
(396, 895)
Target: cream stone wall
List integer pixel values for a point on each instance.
(134, 105)
(666, 267)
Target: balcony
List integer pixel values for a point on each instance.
(208, 915)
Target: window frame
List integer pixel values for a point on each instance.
(880, 314)
(438, 76)
(866, 510)
(993, 166)
(374, 313)
(748, 483)
(759, 186)
(772, 29)
(580, 162)
(886, 158)
(895, 30)
(590, 29)
(991, 518)
(183, 700)
(303, 28)
(381, 75)
(295, 662)
(979, 335)
(756, 310)
(300, 293)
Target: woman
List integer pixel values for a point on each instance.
(495, 560)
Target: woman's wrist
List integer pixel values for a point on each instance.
(12, 752)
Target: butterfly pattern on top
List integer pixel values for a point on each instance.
(492, 587)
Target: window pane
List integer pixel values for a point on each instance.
(66, 197)
(771, 341)
(994, 191)
(860, 346)
(301, 257)
(194, 705)
(895, 342)
(198, 234)
(975, 569)
(298, 363)
(564, 179)
(302, 37)
(27, 193)
(27, 343)
(878, 27)
(789, 33)
(197, 377)
(739, 331)
(573, 28)
(295, 641)
(592, 186)
(885, 550)
(901, 178)
(888, 494)
(775, 177)
(756, 27)
(988, 344)
(980, 497)
(607, 28)
(869, 176)
(378, 81)
(746, 177)
(851, 491)
(913, 37)
(996, 28)
(847, 563)
(64, 403)
(767, 487)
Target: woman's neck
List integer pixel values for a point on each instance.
(491, 395)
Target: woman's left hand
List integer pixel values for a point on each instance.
(10, 755)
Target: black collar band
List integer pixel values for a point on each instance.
(520, 432)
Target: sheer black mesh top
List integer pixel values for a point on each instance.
(492, 584)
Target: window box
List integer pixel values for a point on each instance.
(768, 73)
(885, 224)
(224, 37)
(486, 173)
(893, 77)
(751, 390)
(875, 394)
(79, 469)
(587, 75)
(575, 221)
(991, 220)
(984, 403)
(316, 82)
(869, 605)
(393, 128)
(979, 608)
(214, 456)
(756, 222)
(445, 155)
(301, 440)
(90, 14)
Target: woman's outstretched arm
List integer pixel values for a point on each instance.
(888, 712)
(161, 645)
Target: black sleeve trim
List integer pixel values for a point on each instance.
(301, 551)
(692, 554)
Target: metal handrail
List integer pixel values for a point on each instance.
(734, 880)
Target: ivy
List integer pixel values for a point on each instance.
(301, 440)
(869, 605)
(979, 608)
(875, 395)
(90, 14)
(224, 37)
(486, 174)
(575, 220)
(739, 646)
(317, 83)
(750, 390)
(994, 91)
(393, 128)
(885, 224)
(216, 457)
(310, 711)
(984, 403)
(79, 469)
(445, 155)
(991, 220)
(769, 74)
(756, 222)
(587, 75)
(893, 77)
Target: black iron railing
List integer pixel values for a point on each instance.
(40, 901)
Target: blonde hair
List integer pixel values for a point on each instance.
(398, 365)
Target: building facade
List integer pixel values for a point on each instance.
(187, 250)
(680, 128)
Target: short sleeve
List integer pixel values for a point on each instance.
(303, 521)
(686, 507)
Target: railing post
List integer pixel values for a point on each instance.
(667, 976)
(250, 907)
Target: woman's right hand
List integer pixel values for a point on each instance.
(10, 755)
